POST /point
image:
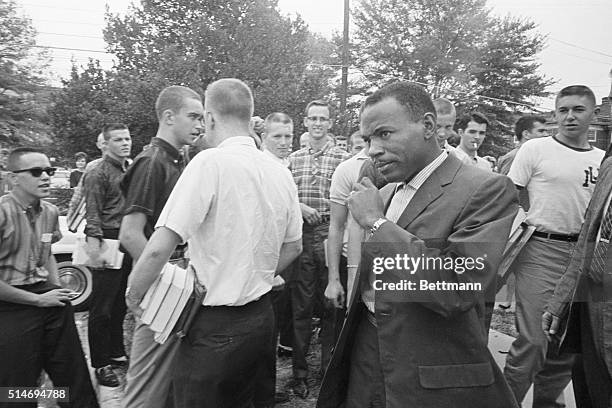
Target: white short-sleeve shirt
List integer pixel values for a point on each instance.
(559, 180)
(235, 207)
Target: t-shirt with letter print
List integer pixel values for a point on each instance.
(560, 180)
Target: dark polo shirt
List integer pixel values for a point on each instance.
(149, 181)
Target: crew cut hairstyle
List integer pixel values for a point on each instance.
(109, 127)
(318, 102)
(444, 107)
(526, 123)
(579, 90)
(173, 98)
(414, 98)
(16, 154)
(230, 97)
(277, 117)
(471, 117)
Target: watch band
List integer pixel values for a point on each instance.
(377, 225)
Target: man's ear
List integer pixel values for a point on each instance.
(429, 123)
(209, 118)
(168, 117)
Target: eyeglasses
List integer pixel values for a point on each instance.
(318, 119)
(38, 171)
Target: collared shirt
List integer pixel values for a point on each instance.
(284, 162)
(148, 182)
(235, 207)
(103, 197)
(26, 235)
(448, 147)
(403, 194)
(476, 161)
(312, 172)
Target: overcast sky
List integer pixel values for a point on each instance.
(579, 32)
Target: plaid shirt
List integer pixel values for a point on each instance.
(26, 235)
(312, 172)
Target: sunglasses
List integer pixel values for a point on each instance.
(38, 171)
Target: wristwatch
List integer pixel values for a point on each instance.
(377, 225)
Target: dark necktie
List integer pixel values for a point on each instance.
(598, 263)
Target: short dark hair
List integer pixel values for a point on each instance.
(109, 127)
(471, 117)
(16, 154)
(80, 155)
(318, 102)
(526, 123)
(173, 98)
(414, 98)
(580, 90)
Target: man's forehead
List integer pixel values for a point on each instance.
(34, 159)
(475, 125)
(318, 110)
(277, 128)
(117, 133)
(446, 118)
(571, 101)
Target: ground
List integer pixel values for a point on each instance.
(503, 321)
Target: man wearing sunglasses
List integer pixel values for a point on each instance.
(37, 320)
(104, 213)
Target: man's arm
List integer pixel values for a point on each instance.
(132, 235)
(153, 258)
(51, 267)
(55, 297)
(288, 253)
(334, 290)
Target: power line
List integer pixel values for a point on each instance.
(582, 48)
(579, 57)
(69, 49)
(63, 8)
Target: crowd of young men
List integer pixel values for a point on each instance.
(277, 238)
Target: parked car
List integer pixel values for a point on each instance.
(74, 277)
(61, 179)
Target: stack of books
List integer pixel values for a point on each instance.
(166, 299)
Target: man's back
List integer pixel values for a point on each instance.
(245, 207)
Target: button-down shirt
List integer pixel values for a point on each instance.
(26, 235)
(403, 194)
(235, 207)
(148, 182)
(284, 162)
(312, 171)
(103, 197)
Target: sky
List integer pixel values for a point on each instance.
(579, 45)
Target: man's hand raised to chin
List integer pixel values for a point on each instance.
(365, 203)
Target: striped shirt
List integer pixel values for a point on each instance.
(312, 172)
(26, 235)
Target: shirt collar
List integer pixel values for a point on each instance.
(361, 155)
(323, 150)
(238, 141)
(167, 147)
(417, 181)
(284, 162)
(116, 162)
(36, 207)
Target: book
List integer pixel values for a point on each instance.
(162, 336)
(110, 254)
(171, 300)
(157, 291)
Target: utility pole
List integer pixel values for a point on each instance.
(345, 59)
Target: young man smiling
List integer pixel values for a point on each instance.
(104, 213)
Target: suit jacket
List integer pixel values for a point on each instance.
(432, 344)
(575, 286)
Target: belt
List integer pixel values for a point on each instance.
(557, 237)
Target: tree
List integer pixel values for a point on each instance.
(193, 43)
(456, 49)
(22, 116)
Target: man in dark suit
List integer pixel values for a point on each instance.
(586, 286)
(420, 347)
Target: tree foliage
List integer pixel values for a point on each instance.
(22, 97)
(457, 49)
(192, 43)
